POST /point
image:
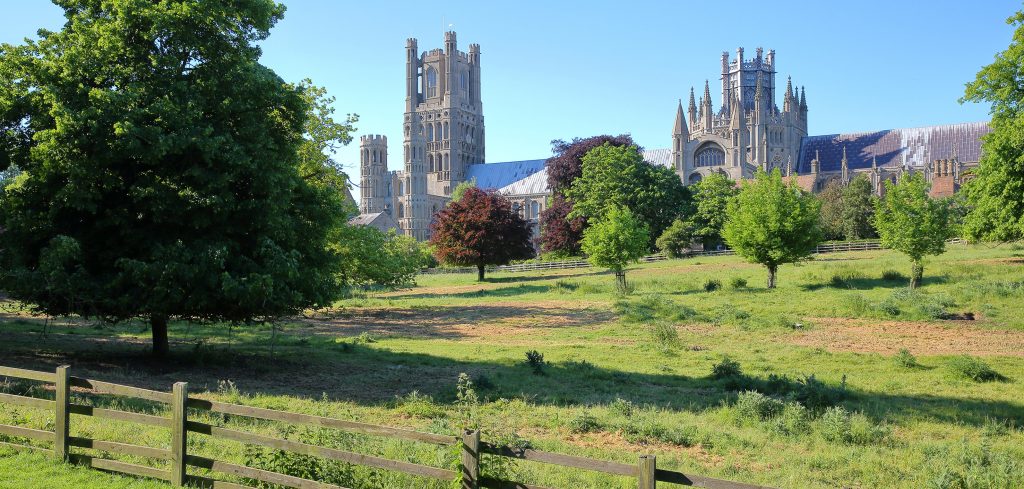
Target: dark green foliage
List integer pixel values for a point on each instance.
(995, 196)
(710, 201)
(370, 256)
(973, 368)
(618, 177)
(726, 368)
(753, 405)
(772, 223)
(712, 284)
(905, 359)
(831, 198)
(676, 241)
(583, 422)
(161, 169)
(738, 283)
(615, 240)
(911, 222)
(535, 360)
(652, 307)
(858, 212)
(893, 276)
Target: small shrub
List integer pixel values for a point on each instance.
(890, 307)
(795, 419)
(583, 423)
(535, 360)
(835, 424)
(621, 407)
(726, 368)
(419, 405)
(815, 394)
(894, 276)
(364, 338)
(905, 359)
(648, 430)
(839, 282)
(738, 282)
(730, 314)
(973, 368)
(754, 406)
(858, 304)
(712, 284)
(651, 307)
(665, 334)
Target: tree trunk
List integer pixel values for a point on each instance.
(916, 272)
(620, 280)
(480, 272)
(772, 270)
(158, 323)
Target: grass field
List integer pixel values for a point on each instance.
(665, 370)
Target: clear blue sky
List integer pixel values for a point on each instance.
(560, 69)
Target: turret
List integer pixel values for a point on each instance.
(451, 55)
(412, 66)
(373, 165)
(787, 98)
(680, 127)
(680, 135)
(845, 167)
(803, 101)
(706, 111)
(693, 110)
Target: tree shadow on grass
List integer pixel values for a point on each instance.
(867, 283)
(366, 374)
(511, 291)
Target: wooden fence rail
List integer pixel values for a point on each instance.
(645, 471)
(835, 247)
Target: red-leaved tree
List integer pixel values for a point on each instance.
(559, 234)
(479, 230)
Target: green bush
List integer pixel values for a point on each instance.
(894, 276)
(726, 368)
(972, 368)
(535, 360)
(583, 422)
(835, 424)
(838, 425)
(621, 407)
(754, 406)
(648, 430)
(712, 284)
(905, 359)
(651, 307)
(664, 334)
(738, 282)
(794, 419)
(815, 394)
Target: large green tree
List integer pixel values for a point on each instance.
(831, 198)
(711, 197)
(995, 197)
(912, 223)
(858, 213)
(772, 223)
(618, 176)
(615, 240)
(160, 169)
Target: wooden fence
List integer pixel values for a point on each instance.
(645, 471)
(834, 247)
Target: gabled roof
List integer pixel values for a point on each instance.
(911, 147)
(379, 220)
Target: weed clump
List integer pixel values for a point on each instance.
(754, 406)
(905, 359)
(726, 368)
(712, 284)
(972, 368)
(665, 335)
(738, 283)
(621, 407)
(894, 276)
(838, 425)
(583, 422)
(535, 360)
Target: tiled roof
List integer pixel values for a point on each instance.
(533, 184)
(661, 157)
(499, 175)
(379, 220)
(913, 147)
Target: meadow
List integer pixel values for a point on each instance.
(839, 377)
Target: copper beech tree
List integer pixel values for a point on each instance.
(480, 229)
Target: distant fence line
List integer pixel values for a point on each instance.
(178, 459)
(836, 247)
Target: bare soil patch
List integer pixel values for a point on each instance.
(921, 338)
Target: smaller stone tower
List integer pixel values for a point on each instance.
(373, 165)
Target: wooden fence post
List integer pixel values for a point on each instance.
(645, 472)
(61, 426)
(179, 437)
(470, 459)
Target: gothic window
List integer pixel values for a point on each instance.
(695, 178)
(463, 81)
(710, 155)
(447, 163)
(534, 209)
(430, 132)
(431, 82)
(430, 162)
(401, 211)
(446, 129)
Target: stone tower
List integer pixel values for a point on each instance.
(748, 132)
(373, 166)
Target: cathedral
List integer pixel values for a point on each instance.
(443, 143)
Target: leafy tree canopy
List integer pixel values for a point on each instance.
(373, 257)
(676, 240)
(831, 198)
(772, 223)
(710, 199)
(912, 223)
(559, 233)
(461, 188)
(858, 214)
(160, 169)
(615, 240)
(479, 230)
(618, 176)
